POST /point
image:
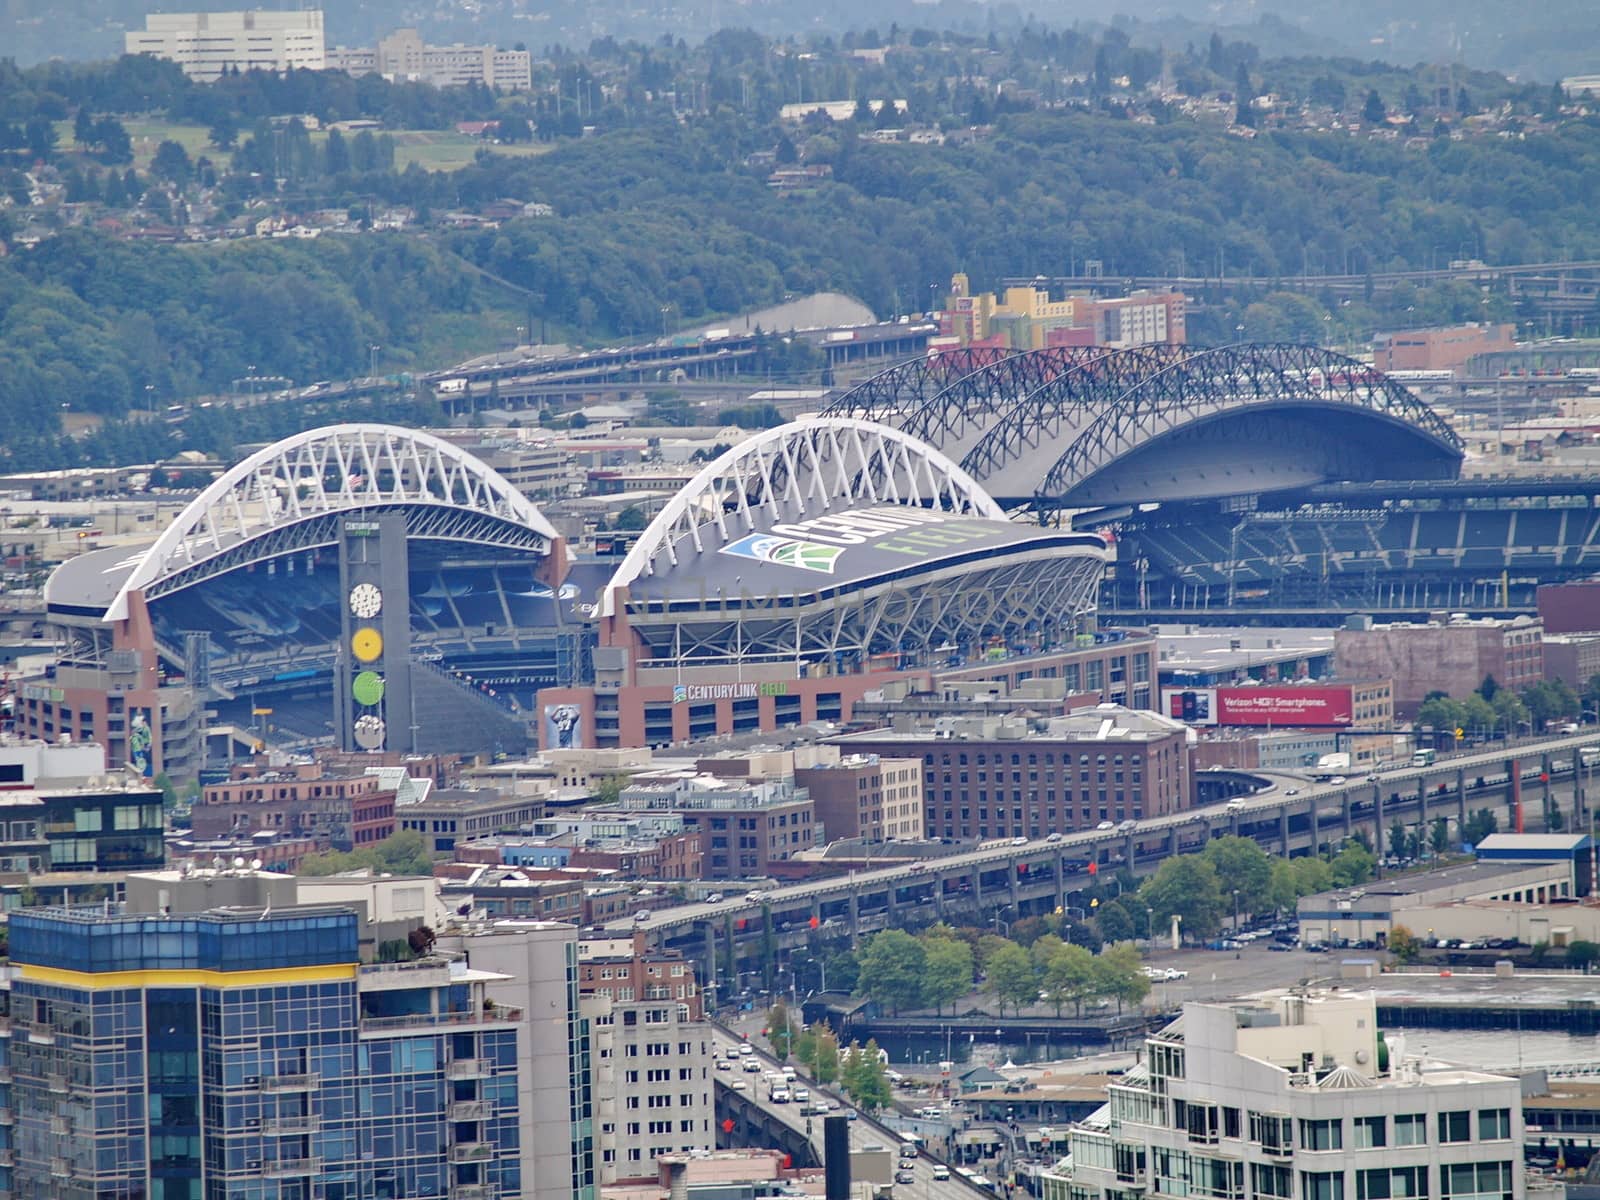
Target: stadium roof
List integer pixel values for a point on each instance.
(837, 498)
(290, 496)
(1094, 425)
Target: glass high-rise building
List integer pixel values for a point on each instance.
(249, 1054)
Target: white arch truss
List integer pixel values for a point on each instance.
(799, 470)
(321, 473)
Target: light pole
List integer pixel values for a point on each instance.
(1236, 910)
(372, 358)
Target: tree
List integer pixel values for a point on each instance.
(947, 971)
(780, 1031)
(1010, 976)
(402, 853)
(1069, 977)
(1186, 886)
(892, 965)
(1399, 839)
(1373, 112)
(1403, 944)
(1245, 866)
(1352, 865)
(1439, 835)
(172, 163)
(863, 1077)
(1443, 714)
(825, 1056)
(608, 789)
(1479, 826)
(1119, 975)
(1114, 922)
(1488, 688)
(1583, 954)
(1509, 711)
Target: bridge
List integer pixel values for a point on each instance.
(1041, 875)
(1557, 287)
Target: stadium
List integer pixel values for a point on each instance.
(1273, 483)
(947, 518)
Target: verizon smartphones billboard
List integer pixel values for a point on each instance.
(1316, 706)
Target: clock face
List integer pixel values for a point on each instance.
(366, 601)
(366, 645)
(367, 688)
(369, 731)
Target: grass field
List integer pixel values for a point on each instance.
(438, 150)
(430, 149)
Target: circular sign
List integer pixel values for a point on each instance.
(367, 688)
(369, 732)
(366, 645)
(366, 601)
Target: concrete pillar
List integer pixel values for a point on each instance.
(1014, 884)
(1378, 830)
(711, 951)
(977, 885)
(1061, 880)
(1349, 818)
(854, 915)
(1461, 798)
(1283, 831)
(890, 900)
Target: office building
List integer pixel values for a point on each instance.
(1026, 317)
(1295, 1096)
(1452, 655)
(206, 44)
(62, 815)
(865, 796)
(652, 1053)
(452, 816)
(403, 55)
(250, 1053)
(1445, 348)
(996, 777)
(747, 825)
(338, 813)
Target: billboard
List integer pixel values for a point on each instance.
(1275, 706)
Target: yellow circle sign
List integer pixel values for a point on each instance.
(366, 645)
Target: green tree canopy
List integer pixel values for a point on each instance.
(892, 966)
(947, 971)
(1244, 866)
(1186, 886)
(1010, 977)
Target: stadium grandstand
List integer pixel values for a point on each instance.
(240, 606)
(1284, 481)
(378, 588)
(797, 570)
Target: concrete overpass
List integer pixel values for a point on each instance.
(759, 1122)
(1041, 875)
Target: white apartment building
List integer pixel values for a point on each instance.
(1295, 1098)
(652, 1088)
(205, 44)
(404, 55)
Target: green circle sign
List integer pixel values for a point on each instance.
(367, 688)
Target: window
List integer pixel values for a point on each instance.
(1321, 1185)
(1494, 1124)
(1410, 1129)
(1392, 1183)
(1476, 1181)
(1269, 1180)
(1455, 1126)
(1371, 1132)
(1322, 1135)
(1273, 1132)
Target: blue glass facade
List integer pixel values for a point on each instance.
(215, 1057)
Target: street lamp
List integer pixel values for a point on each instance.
(372, 358)
(1236, 910)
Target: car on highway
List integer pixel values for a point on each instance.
(801, 1095)
(905, 1176)
(714, 898)
(780, 1095)
(940, 1171)
(739, 1085)
(724, 1065)
(746, 1049)
(1291, 792)
(752, 1067)
(1106, 825)
(1019, 841)
(1053, 838)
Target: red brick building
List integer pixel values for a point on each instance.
(1439, 349)
(627, 969)
(336, 812)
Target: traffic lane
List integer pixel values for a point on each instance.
(864, 1132)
